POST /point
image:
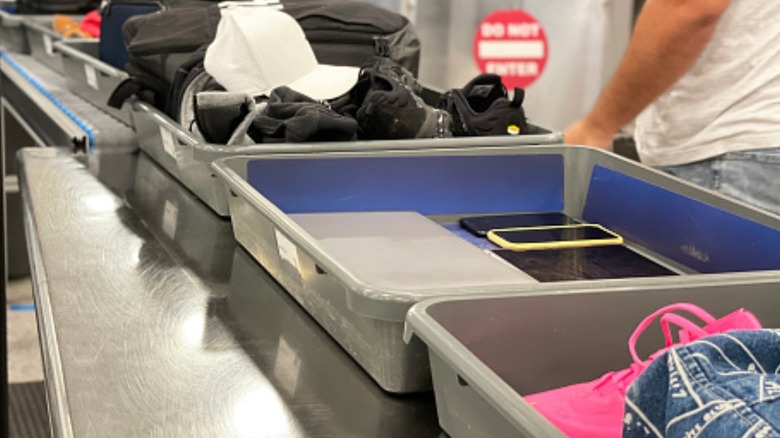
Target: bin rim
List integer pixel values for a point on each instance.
(393, 304)
(421, 324)
(204, 151)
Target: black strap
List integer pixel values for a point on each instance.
(518, 98)
(138, 82)
(185, 73)
(123, 91)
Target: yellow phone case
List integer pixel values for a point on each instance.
(528, 246)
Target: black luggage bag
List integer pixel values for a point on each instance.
(114, 14)
(164, 47)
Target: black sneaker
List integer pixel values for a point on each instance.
(387, 106)
(483, 107)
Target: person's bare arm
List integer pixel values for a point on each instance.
(669, 37)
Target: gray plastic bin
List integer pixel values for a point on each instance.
(308, 369)
(483, 359)
(91, 78)
(659, 216)
(41, 38)
(187, 157)
(12, 34)
(181, 222)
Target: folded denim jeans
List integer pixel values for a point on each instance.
(724, 385)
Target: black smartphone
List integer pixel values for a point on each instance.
(480, 225)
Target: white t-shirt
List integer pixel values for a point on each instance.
(729, 101)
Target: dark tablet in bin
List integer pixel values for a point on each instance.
(602, 262)
(480, 225)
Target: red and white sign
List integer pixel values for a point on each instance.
(512, 44)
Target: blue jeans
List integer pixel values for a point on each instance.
(720, 386)
(750, 176)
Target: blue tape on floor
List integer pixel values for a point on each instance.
(22, 307)
(71, 115)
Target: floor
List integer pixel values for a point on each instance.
(24, 352)
(27, 400)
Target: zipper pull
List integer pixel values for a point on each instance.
(382, 47)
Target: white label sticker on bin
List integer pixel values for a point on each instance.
(287, 367)
(287, 250)
(170, 216)
(168, 142)
(47, 45)
(91, 74)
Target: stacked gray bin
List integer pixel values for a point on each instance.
(41, 38)
(90, 78)
(487, 352)
(12, 33)
(367, 317)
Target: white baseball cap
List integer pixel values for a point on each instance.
(257, 49)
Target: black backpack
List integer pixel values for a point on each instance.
(114, 14)
(55, 6)
(165, 47)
